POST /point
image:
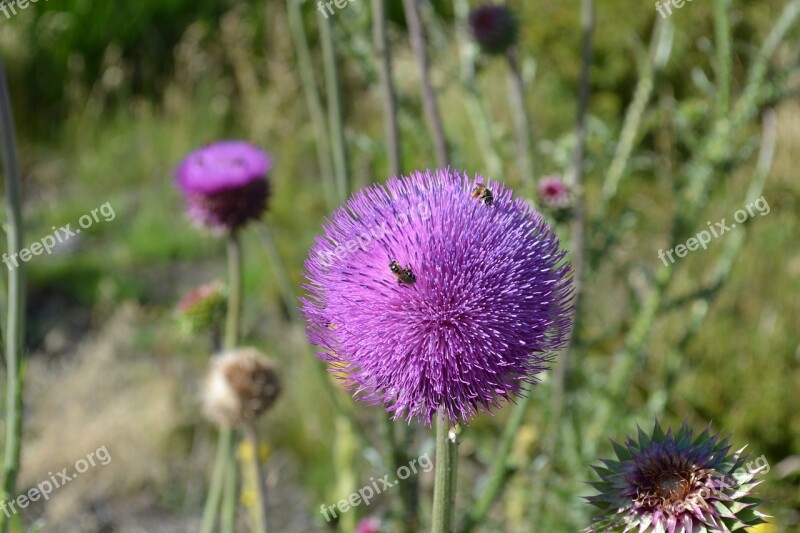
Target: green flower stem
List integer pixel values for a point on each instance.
(215, 490)
(15, 326)
(259, 509)
(232, 324)
(444, 488)
(334, 97)
(223, 477)
(305, 67)
(230, 494)
(281, 276)
(501, 470)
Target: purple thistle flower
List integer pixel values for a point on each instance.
(494, 27)
(476, 298)
(224, 184)
(674, 483)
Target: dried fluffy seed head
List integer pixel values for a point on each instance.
(224, 184)
(494, 27)
(674, 483)
(241, 385)
(490, 301)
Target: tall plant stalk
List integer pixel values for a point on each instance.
(334, 98)
(445, 473)
(475, 104)
(575, 178)
(522, 119)
(419, 45)
(316, 112)
(222, 490)
(15, 325)
(383, 55)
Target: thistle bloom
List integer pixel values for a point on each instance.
(240, 387)
(224, 184)
(553, 192)
(674, 483)
(494, 27)
(433, 295)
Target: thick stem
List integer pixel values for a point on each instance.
(15, 329)
(259, 508)
(230, 494)
(232, 323)
(444, 488)
(419, 44)
(384, 59)
(217, 477)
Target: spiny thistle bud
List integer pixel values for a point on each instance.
(241, 385)
(203, 308)
(225, 184)
(494, 27)
(674, 483)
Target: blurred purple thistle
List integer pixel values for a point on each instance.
(225, 184)
(674, 483)
(490, 300)
(494, 27)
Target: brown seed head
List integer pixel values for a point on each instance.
(241, 386)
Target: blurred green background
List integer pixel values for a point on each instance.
(109, 97)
